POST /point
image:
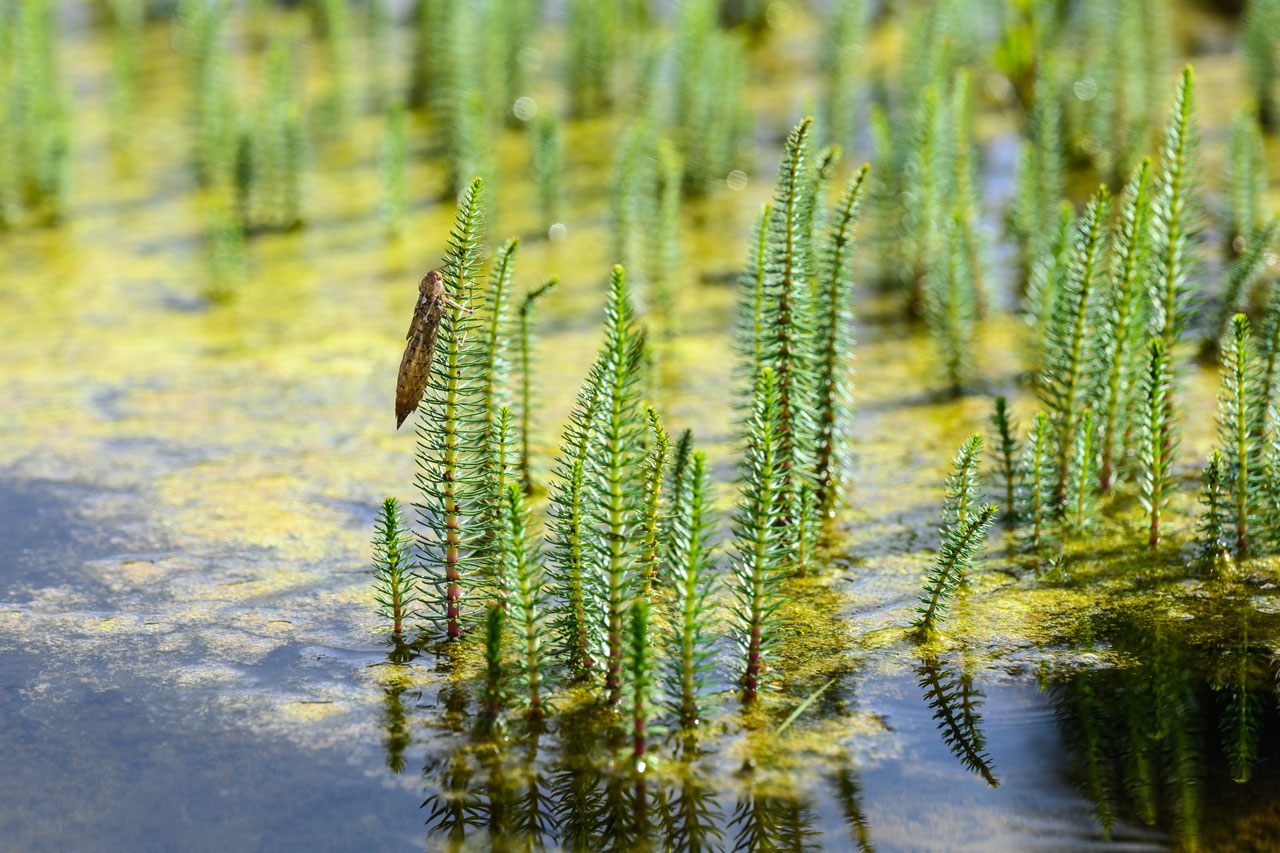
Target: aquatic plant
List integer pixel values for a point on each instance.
(592, 34)
(449, 423)
(200, 33)
(665, 230)
(493, 387)
(692, 568)
(225, 250)
(761, 547)
(1176, 217)
(547, 142)
(833, 346)
(128, 18)
(393, 169)
(679, 491)
(749, 319)
(1269, 351)
(1246, 182)
(962, 542)
(278, 143)
(951, 308)
(1243, 273)
(966, 201)
(1004, 449)
(650, 562)
(334, 19)
(1124, 322)
(494, 696)
(1073, 328)
(1240, 429)
(1214, 537)
(395, 582)
(1157, 438)
(708, 121)
(1033, 216)
(841, 58)
(640, 679)
(1261, 23)
(615, 457)
(634, 197)
(964, 483)
(527, 604)
(1045, 281)
(1038, 505)
(1082, 483)
(524, 346)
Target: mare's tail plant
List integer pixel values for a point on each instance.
(1261, 23)
(1082, 485)
(449, 425)
(963, 540)
(1214, 534)
(761, 550)
(1004, 449)
(1124, 322)
(616, 456)
(525, 344)
(951, 307)
(964, 483)
(1241, 427)
(527, 603)
(651, 563)
(494, 696)
(640, 666)
(1176, 217)
(841, 64)
(548, 166)
(692, 578)
(278, 143)
(1157, 439)
(394, 581)
(1246, 181)
(834, 347)
(1070, 350)
(393, 165)
(1243, 273)
(1038, 480)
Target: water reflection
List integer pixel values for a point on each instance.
(1174, 736)
(955, 702)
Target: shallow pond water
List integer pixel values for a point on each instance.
(189, 657)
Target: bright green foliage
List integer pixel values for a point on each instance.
(395, 584)
(548, 166)
(450, 425)
(833, 339)
(525, 345)
(962, 542)
(750, 317)
(1262, 51)
(1241, 427)
(1214, 533)
(964, 483)
(527, 601)
(278, 143)
(225, 248)
(665, 229)
(1038, 485)
(842, 47)
(634, 198)
(955, 702)
(678, 493)
(393, 167)
(650, 565)
(639, 677)
(494, 699)
(1269, 351)
(1124, 322)
(1004, 449)
(1176, 214)
(335, 27)
(925, 192)
(1157, 438)
(708, 117)
(761, 558)
(492, 546)
(1082, 479)
(571, 512)
(615, 457)
(1244, 273)
(1049, 272)
(1070, 345)
(966, 201)
(593, 47)
(1033, 217)
(689, 649)
(1246, 181)
(787, 317)
(951, 307)
(493, 380)
(200, 33)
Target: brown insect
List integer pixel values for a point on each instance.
(415, 366)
